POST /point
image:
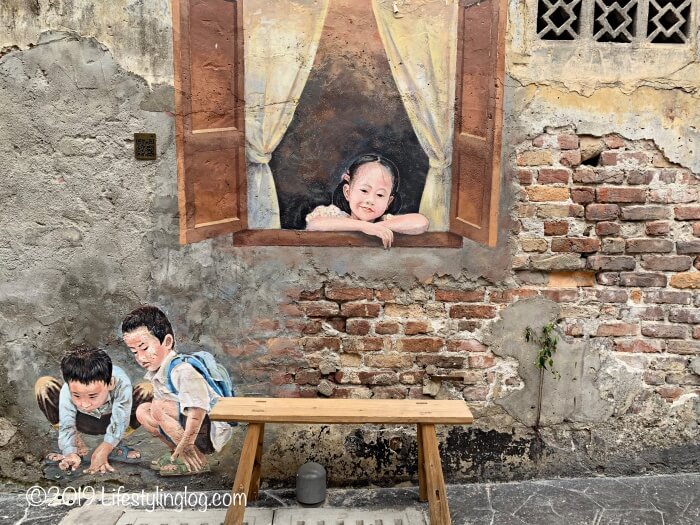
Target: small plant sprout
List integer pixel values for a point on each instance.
(547, 343)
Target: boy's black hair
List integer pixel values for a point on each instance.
(152, 318)
(341, 202)
(86, 364)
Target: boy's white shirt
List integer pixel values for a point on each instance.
(193, 392)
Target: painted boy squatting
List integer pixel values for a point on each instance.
(178, 414)
(96, 399)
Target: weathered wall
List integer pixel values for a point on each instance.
(88, 233)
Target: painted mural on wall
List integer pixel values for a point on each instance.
(312, 115)
(97, 399)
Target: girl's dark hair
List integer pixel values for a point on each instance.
(152, 318)
(85, 365)
(341, 202)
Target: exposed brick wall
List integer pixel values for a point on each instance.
(615, 242)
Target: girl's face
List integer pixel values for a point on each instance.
(369, 192)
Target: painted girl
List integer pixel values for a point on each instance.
(367, 200)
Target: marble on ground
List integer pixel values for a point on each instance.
(660, 499)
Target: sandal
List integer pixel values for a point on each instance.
(163, 460)
(120, 454)
(181, 469)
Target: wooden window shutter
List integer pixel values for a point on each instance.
(476, 166)
(208, 60)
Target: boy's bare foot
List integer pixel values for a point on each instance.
(81, 446)
(54, 456)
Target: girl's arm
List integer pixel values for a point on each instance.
(410, 223)
(346, 224)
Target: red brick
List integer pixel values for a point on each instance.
(696, 332)
(696, 229)
(421, 344)
(567, 141)
(378, 378)
(459, 296)
(508, 296)
(525, 210)
(645, 213)
(668, 263)
(571, 158)
(605, 228)
(542, 140)
(582, 195)
(687, 213)
(412, 378)
(665, 331)
(668, 176)
(649, 313)
(416, 327)
(611, 296)
(316, 344)
(389, 360)
(657, 228)
(671, 393)
(319, 308)
(654, 377)
(337, 323)
(357, 327)
(535, 158)
(556, 227)
(649, 246)
(348, 294)
(384, 295)
(307, 295)
(642, 280)
(360, 309)
(363, 344)
(472, 311)
(640, 177)
(387, 328)
(553, 176)
(465, 345)
(286, 391)
(290, 310)
(389, 392)
(667, 297)
(639, 346)
(468, 326)
(575, 244)
(525, 176)
(614, 141)
(561, 296)
(303, 326)
(441, 361)
(588, 175)
(612, 245)
(608, 278)
(307, 377)
(617, 330)
(615, 158)
(481, 361)
(611, 263)
(547, 193)
(691, 247)
(533, 245)
(602, 212)
(617, 194)
(685, 315)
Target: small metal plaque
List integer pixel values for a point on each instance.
(145, 146)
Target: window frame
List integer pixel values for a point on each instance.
(482, 228)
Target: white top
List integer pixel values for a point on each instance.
(193, 391)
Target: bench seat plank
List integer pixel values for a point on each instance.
(340, 411)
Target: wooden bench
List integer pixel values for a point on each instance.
(423, 413)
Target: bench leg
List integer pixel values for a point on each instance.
(255, 481)
(244, 475)
(437, 497)
(422, 489)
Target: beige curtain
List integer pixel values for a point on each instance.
(420, 38)
(281, 39)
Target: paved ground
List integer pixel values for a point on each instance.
(663, 500)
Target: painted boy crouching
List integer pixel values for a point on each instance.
(182, 397)
(96, 399)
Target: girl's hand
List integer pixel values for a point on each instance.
(384, 233)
